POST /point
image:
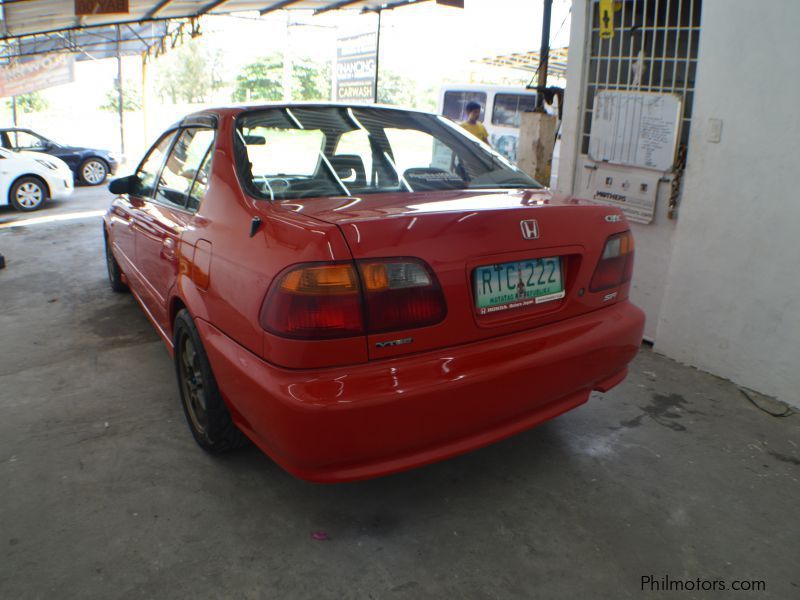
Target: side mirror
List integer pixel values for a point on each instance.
(255, 140)
(122, 185)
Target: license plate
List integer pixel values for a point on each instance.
(517, 284)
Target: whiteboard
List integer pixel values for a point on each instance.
(638, 129)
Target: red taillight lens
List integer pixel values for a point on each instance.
(401, 294)
(616, 263)
(324, 301)
(314, 301)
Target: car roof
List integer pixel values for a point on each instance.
(238, 108)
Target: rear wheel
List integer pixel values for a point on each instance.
(205, 410)
(27, 194)
(114, 272)
(93, 171)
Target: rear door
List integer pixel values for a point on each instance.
(161, 221)
(124, 208)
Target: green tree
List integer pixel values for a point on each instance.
(393, 89)
(130, 99)
(262, 79)
(190, 74)
(30, 103)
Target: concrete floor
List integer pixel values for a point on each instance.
(104, 494)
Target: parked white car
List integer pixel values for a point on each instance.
(28, 179)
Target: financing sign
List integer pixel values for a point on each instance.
(29, 75)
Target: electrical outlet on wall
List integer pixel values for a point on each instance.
(714, 131)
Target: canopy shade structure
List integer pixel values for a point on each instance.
(529, 61)
(21, 18)
(96, 42)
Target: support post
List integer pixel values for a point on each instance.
(120, 96)
(14, 109)
(145, 56)
(288, 62)
(544, 55)
(377, 58)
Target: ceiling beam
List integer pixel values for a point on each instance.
(276, 6)
(336, 6)
(154, 11)
(209, 7)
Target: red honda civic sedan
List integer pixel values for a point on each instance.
(361, 290)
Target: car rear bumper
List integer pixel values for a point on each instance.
(385, 416)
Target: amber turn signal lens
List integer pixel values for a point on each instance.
(323, 279)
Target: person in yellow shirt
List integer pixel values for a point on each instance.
(472, 124)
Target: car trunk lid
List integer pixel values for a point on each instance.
(493, 236)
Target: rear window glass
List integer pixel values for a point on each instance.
(509, 107)
(301, 152)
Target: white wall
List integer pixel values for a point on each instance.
(654, 241)
(732, 299)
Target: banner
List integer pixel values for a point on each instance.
(24, 76)
(356, 57)
(100, 7)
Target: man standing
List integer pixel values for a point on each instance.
(472, 124)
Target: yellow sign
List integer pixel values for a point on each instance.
(606, 19)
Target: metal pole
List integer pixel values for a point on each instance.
(288, 62)
(377, 57)
(145, 56)
(14, 109)
(120, 97)
(544, 55)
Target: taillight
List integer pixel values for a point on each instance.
(400, 293)
(616, 263)
(324, 300)
(314, 301)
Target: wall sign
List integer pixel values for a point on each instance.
(637, 129)
(355, 67)
(631, 190)
(27, 75)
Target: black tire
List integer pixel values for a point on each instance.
(114, 272)
(205, 410)
(28, 194)
(93, 171)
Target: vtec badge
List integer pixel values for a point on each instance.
(613, 218)
(390, 343)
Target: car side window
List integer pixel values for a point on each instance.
(184, 165)
(28, 141)
(200, 184)
(455, 104)
(147, 173)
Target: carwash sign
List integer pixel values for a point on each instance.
(355, 67)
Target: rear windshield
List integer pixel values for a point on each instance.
(304, 152)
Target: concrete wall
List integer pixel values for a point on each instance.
(654, 241)
(732, 299)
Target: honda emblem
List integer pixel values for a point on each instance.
(530, 229)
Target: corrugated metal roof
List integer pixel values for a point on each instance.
(529, 61)
(28, 17)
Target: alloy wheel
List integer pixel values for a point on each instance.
(93, 172)
(193, 385)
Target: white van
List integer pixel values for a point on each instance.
(501, 114)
